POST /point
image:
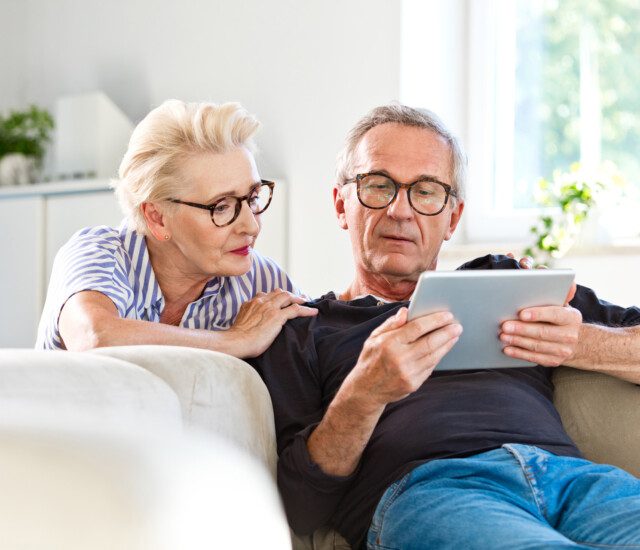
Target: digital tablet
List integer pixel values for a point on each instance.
(481, 300)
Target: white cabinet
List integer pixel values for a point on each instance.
(20, 270)
(34, 222)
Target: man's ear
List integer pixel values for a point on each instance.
(338, 204)
(155, 221)
(456, 214)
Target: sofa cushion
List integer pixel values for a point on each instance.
(602, 415)
(80, 490)
(97, 391)
(218, 393)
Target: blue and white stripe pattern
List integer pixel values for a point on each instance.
(116, 262)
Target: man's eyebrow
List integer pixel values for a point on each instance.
(222, 195)
(428, 177)
(420, 177)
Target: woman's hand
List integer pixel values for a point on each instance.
(260, 320)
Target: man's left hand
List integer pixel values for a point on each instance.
(546, 335)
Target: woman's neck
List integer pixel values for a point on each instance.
(179, 288)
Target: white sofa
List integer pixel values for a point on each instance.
(185, 441)
(136, 448)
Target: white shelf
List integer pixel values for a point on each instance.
(64, 187)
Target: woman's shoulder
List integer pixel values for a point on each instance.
(96, 236)
(262, 263)
(99, 242)
(266, 275)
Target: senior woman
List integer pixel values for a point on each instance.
(180, 269)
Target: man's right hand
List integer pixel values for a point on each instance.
(400, 355)
(395, 361)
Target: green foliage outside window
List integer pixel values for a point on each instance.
(549, 128)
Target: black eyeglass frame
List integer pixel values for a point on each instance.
(239, 201)
(447, 188)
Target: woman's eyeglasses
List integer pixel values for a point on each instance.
(227, 209)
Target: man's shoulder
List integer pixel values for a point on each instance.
(491, 261)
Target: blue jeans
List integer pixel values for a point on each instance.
(518, 496)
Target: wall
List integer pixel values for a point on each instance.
(13, 53)
(307, 70)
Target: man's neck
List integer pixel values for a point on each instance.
(392, 289)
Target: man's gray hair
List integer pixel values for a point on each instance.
(395, 113)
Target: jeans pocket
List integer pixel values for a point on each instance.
(388, 498)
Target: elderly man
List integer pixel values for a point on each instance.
(375, 443)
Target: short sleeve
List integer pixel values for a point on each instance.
(93, 259)
(597, 311)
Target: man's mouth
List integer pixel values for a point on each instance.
(398, 238)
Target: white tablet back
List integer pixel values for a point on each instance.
(481, 300)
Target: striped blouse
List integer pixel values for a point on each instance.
(116, 263)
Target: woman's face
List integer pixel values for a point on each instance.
(203, 248)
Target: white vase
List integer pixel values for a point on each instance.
(17, 169)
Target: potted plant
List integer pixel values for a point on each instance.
(571, 198)
(23, 138)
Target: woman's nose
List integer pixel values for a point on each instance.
(247, 221)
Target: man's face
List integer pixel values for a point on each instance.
(397, 243)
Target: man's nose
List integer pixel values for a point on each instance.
(400, 208)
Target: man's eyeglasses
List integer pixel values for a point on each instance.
(427, 196)
(227, 209)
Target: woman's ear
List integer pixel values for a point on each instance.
(338, 204)
(155, 221)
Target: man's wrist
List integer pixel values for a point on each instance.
(358, 400)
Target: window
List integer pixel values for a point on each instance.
(551, 82)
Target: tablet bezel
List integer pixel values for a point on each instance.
(481, 300)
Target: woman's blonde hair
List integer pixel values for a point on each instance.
(165, 138)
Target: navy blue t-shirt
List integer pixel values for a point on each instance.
(453, 414)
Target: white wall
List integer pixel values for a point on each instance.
(308, 70)
(13, 53)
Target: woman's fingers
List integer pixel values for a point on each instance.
(296, 310)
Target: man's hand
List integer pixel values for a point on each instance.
(526, 262)
(399, 356)
(545, 335)
(395, 361)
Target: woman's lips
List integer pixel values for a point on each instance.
(244, 251)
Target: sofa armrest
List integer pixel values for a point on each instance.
(48, 387)
(602, 415)
(218, 393)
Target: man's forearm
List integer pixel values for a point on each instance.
(337, 443)
(613, 351)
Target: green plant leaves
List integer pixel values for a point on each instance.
(26, 132)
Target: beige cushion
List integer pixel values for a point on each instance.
(602, 415)
(80, 490)
(218, 393)
(46, 387)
